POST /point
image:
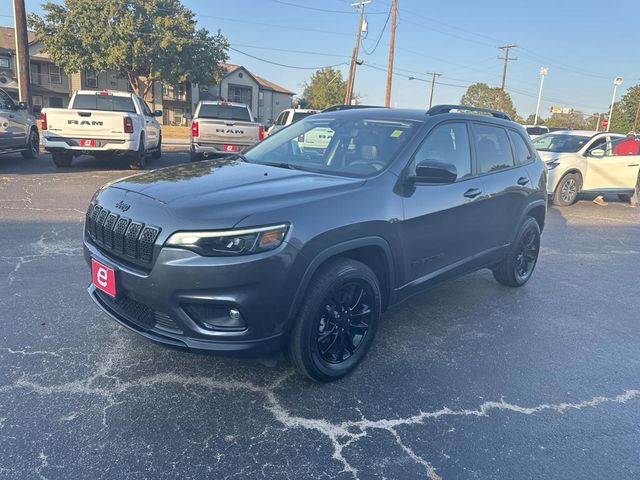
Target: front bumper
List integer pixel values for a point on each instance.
(155, 304)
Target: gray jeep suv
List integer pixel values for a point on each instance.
(18, 129)
(303, 249)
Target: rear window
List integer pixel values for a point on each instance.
(225, 112)
(300, 115)
(109, 103)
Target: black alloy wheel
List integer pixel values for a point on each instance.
(518, 266)
(337, 320)
(343, 321)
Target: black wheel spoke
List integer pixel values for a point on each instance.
(344, 320)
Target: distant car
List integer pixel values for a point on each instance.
(18, 130)
(289, 116)
(586, 161)
(535, 130)
(223, 128)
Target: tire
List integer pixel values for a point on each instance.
(567, 190)
(327, 319)
(33, 146)
(138, 160)
(518, 266)
(157, 153)
(62, 160)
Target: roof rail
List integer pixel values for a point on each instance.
(447, 108)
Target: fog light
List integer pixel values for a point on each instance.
(216, 317)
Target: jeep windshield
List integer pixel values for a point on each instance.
(560, 143)
(343, 145)
(109, 103)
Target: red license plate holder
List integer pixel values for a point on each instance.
(230, 148)
(103, 278)
(88, 142)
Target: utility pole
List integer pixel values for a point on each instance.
(616, 83)
(356, 51)
(506, 59)
(433, 86)
(22, 50)
(392, 41)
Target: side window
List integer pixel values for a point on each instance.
(447, 143)
(279, 119)
(599, 143)
(493, 149)
(523, 154)
(629, 145)
(5, 101)
(145, 107)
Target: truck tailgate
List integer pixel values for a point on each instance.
(85, 123)
(228, 132)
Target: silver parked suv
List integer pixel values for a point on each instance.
(18, 129)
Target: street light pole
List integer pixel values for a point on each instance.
(543, 73)
(616, 82)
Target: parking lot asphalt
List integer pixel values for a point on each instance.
(469, 380)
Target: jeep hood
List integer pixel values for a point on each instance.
(211, 190)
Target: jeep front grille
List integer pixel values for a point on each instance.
(121, 236)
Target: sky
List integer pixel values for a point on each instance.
(583, 46)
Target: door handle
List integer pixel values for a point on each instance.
(472, 193)
(523, 181)
(633, 165)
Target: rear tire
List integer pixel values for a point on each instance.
(337, 321)
(138, 160)
(62, 160)
(518, 266)
(567, 190)
(157, 153)
(33, 146)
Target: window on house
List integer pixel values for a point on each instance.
(261, 99)
(37, 100)
(240, 94)
(4, 62)
(91, 79)
(55, 74)
(55, 102)
(35, 74)
(178, 116)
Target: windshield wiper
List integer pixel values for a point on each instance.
(288, 166)
(239, 156)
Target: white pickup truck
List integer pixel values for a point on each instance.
(102, 123)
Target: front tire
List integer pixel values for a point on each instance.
(138, 160)
(518, 266)
(567, 190)
(33, 146)
(337, 321)
(62, 160)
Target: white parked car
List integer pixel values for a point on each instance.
(535, 130)
(587, 161)
(289, 116)
(106, 122)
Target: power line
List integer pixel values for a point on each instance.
(384, 27)
(306, 7)
(283, 64)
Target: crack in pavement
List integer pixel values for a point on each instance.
(340, 435)
(46, 246)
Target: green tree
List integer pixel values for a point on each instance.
(484, 96)
(575, 120)
(532, 117)
(143, 40)
(624, 111)
(326, 87)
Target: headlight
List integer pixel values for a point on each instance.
(231, 242)
(552, 165)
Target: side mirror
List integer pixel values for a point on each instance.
(432, 171)
(157, 113)
(24, 106)
(597, 152)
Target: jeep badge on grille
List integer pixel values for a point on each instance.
(123, 206)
